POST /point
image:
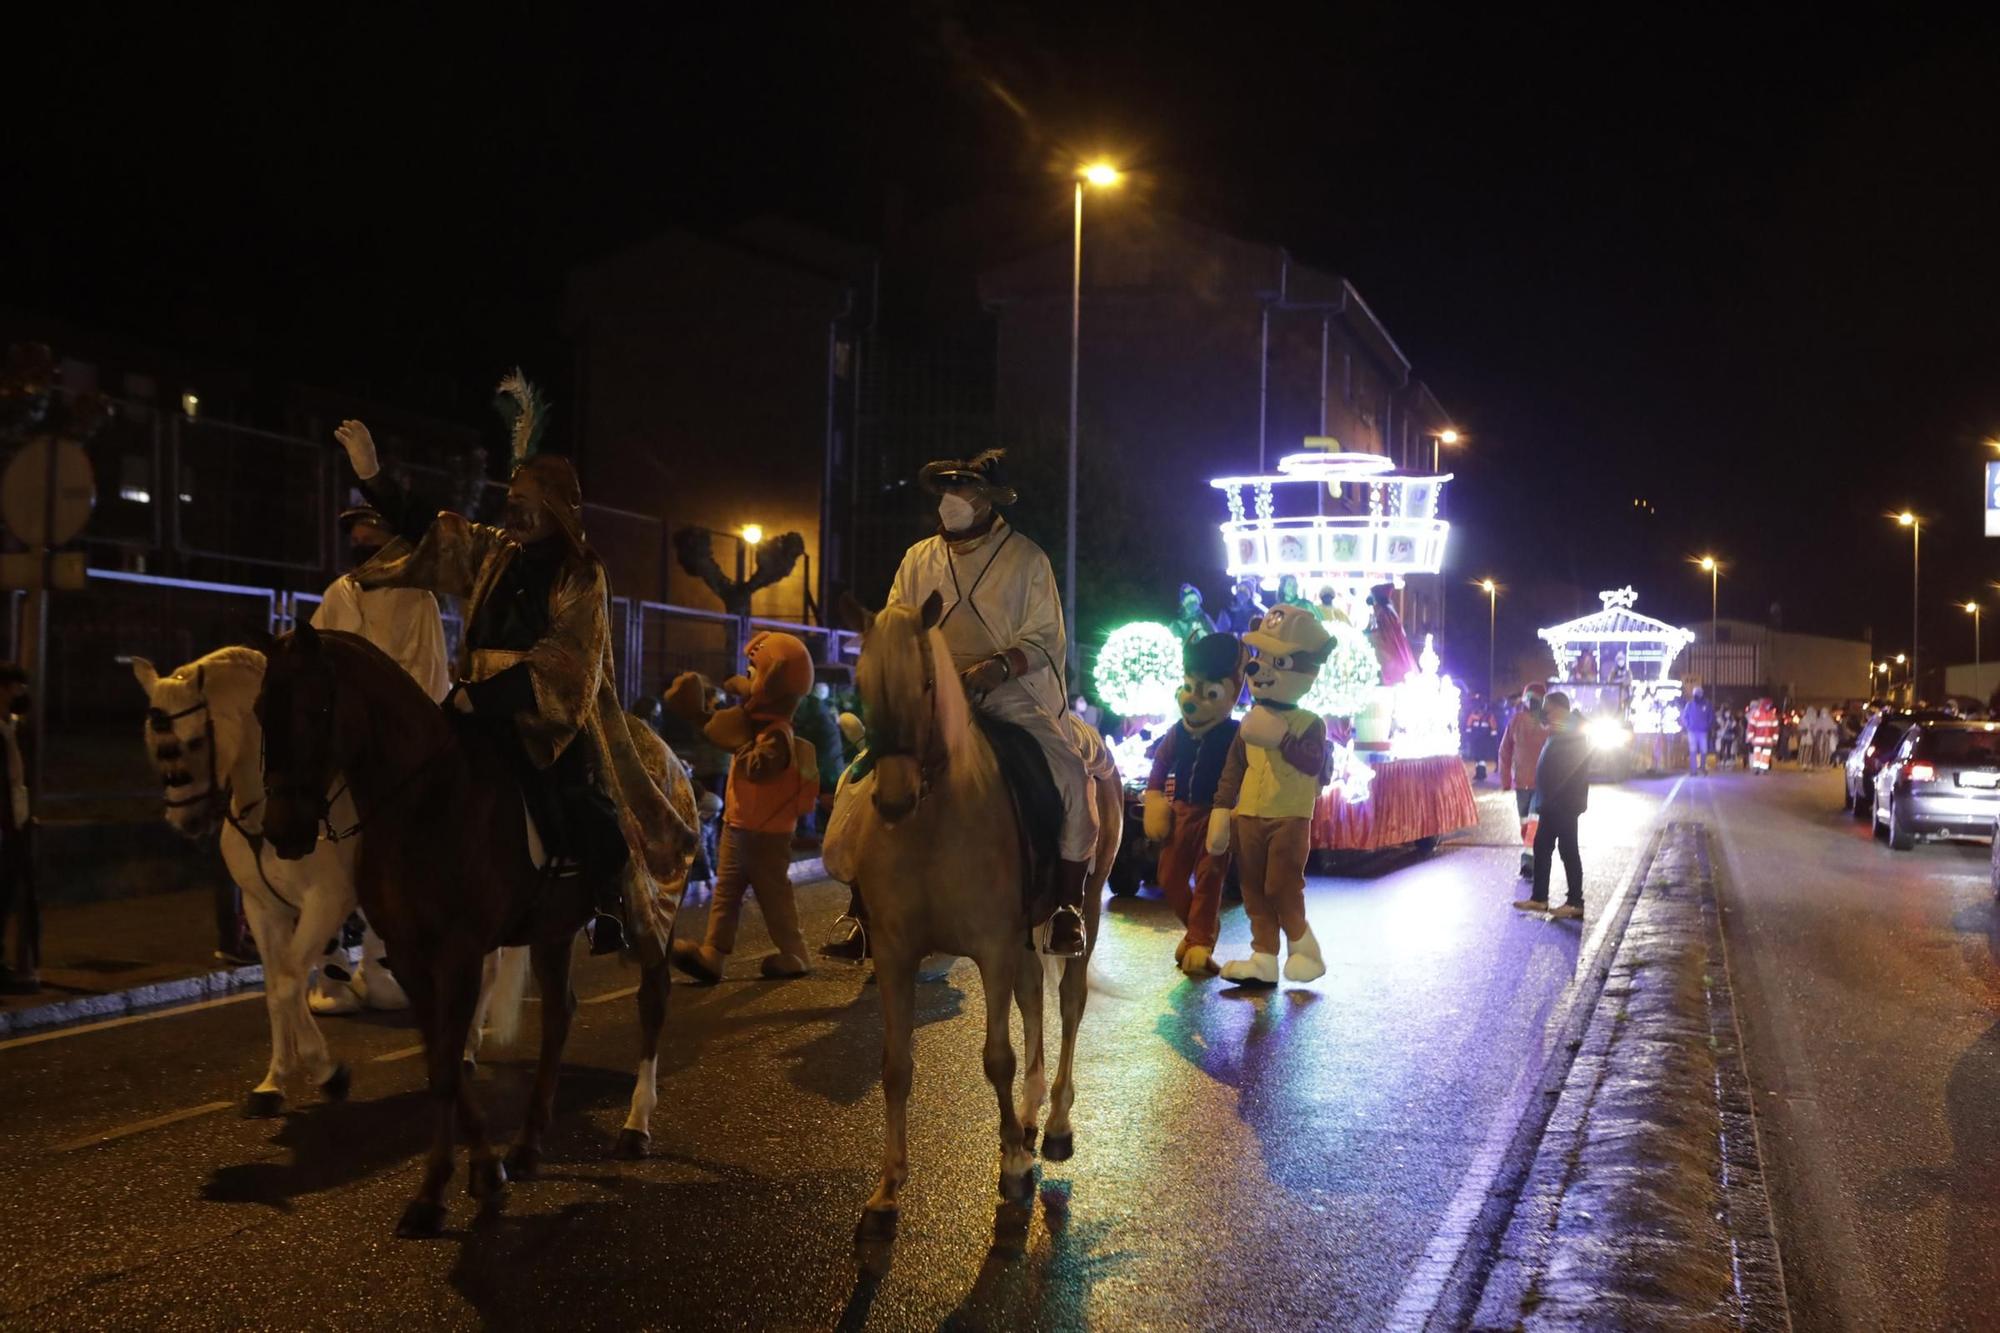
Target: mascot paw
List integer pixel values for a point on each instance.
(1259, 969)
(698, 961)
(687, 698)
(1262, 727)
(1198, 961)
(730, 729)
(1302, 959)
(1159, 816)
(1218, 832)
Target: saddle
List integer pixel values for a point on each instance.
(1038, 811)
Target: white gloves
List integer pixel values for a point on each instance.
(1262, 727)
(360, 446)
(1218, 831)
(1159, 816)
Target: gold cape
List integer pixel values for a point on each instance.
(574, 680)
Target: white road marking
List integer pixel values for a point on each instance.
(609, 996)
(402, 1054)
(85, 1029)
(141, 1126)
(1428, 1281)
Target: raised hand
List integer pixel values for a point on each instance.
(360, 446)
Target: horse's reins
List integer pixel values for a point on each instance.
(932, 763)
(329, 832)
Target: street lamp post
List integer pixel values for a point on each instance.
(1714, 568)
(1916, 527)
(1973, 607)
(1445, 436)
(1100, 174)
(1492, 591)
(1909, 677)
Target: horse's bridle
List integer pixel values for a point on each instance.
(161, 723)
(932, 762)
(327, 800)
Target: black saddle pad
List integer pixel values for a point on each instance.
(1038, 811)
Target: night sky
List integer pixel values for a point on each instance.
(1742, 270)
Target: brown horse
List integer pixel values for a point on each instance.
(445, 875)
(931, 837)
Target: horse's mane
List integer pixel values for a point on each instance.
(891, 673)
(397, 707)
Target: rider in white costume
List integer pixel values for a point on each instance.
(404, 623)
(1003, 621)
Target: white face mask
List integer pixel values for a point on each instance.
(956, 513)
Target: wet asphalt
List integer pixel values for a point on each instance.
(1243, 1159)
(1868, 991)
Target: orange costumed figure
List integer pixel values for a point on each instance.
(773, 782)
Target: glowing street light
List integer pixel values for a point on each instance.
(1449, 435)
(1101, 175)
(1915, 525)
(1492, 591)
(753, 534)
(1713, 568)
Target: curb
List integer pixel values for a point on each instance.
(118, 1004)
(1645, 1206)
(203, 986)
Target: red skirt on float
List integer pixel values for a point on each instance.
(1409, 799)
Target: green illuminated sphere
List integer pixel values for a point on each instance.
(1139, 670)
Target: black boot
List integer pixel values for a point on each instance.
(1067, 935)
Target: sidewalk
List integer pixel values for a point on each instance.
(104, 959)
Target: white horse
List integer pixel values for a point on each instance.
(204, 739)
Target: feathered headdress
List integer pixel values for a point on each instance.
(526, 413)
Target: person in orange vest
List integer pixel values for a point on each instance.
(773, 781)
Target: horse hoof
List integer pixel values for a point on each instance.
(1017, 1189)
(524, 1162)
(876, 1225)
(1059, 1147)
(1028, 1140)
(422, 1220)
(632, 1145)
(487, 1181)
(467, 1068)
(337, 1083)
(263, 1105)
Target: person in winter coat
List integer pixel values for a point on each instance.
(1697, 722)
(1520, 750)
(1562, 794)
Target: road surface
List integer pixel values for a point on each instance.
(1870, 1001)
(1253, 1160)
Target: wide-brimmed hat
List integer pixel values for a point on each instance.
(363, 514)
(982, 471)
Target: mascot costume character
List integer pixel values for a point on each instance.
(1276, 767)
(773, 783)
(1181, 793)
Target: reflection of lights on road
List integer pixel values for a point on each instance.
(1606, 733)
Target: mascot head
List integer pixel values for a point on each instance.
(1291, 645)
(1214, 679)
(780, 674)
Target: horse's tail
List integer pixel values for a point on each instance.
(510, 988)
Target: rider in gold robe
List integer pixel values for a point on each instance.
(535, 657)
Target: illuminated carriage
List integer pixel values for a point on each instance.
(1616, 665)
(1352, 522)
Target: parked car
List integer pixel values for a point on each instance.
(1942, 780)
(1881, 732)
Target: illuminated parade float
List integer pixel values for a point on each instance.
(1616, 665)
(1352, 525)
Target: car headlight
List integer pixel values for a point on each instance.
(1606, 733)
